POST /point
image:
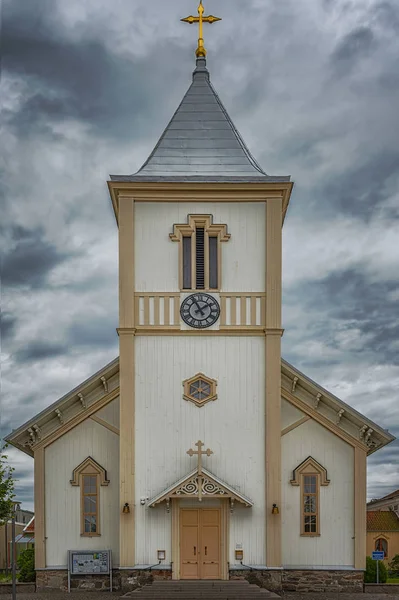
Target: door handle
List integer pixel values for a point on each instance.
(195, 551)
(206, 550)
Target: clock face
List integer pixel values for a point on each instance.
(200, 310)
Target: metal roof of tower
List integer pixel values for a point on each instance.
(200, 143)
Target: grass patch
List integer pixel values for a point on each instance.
(393, 580)
(5, 578)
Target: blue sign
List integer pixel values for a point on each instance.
(378, 555)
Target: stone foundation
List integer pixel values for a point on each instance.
(322, 581)
(127, 581)
(132, 580)
(290, 580)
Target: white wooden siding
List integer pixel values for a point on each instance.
(289, 414)
(62, 511)
(110, 413)
(232, 426)
(335, 546)
(243, 256)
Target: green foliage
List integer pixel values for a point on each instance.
(26, 565)
(393, 566)
(6, 486)
(370, 575)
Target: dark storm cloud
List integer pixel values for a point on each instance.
(347, 301)
(79, 79)
(38, 351)
(362, 188)
(7, 326)
(352, 48)
(30, 259)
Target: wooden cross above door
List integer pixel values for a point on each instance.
(199, 452)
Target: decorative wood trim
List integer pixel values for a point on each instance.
(89, 467)
(212, 393)
(127, 449)
(321, 419)
(105, 424)
(92, 468)
(225, 541)
(189, 230)
(273, 250)
(40, 506)
(175, 539)
(199, 192)
(222, 331)
(360, 507)
(127, 321)
(294, 425)
(79, 418)
(310, 466)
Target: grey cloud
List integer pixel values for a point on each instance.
(346, 301)
(80, 79)
(95, 332)
(353, 47)
(30, 259)
(363, 187)
(7, 326)
(38, 351)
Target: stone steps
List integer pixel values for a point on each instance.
(198, 590)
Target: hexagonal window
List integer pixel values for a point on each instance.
(200, 389)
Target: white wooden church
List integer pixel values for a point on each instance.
(199, 451)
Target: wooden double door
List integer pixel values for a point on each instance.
(200, 543)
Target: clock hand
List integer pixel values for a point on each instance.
(199, 310)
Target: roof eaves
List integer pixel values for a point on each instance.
(11, 437)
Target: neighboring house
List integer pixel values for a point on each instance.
(24, 537)
(383, 533)
(388, 502)
(23, 516)
(5, 543)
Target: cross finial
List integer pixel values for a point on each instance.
(201, 52)
(199, 452)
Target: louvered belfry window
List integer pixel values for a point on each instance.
(200, 252)
(200, 258)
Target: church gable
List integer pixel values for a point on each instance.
(97, 397)
(200, 486)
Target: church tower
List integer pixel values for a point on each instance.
(200, 344)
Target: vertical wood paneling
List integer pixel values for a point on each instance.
(360, 483)
(63, 512)
(232, 426)
(157, 258)
(273, 250)
(40, 508)
(335, 546)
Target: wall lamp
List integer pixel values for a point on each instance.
(275, 510)
(126, 508)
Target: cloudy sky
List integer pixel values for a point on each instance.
(87, 87)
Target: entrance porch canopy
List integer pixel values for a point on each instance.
(200, 485)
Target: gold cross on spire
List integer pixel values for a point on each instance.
(199, 452)
(200, 20)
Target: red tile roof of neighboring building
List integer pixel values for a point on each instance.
(382, 520)
(30, 527)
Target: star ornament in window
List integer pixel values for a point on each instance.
(200, 389)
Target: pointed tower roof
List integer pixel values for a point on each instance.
(200, 143)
